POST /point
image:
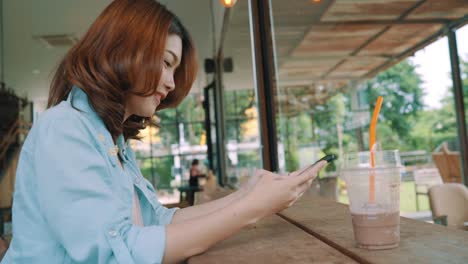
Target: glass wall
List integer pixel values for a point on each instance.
(242, 136)
(462, 40)
(334, 58)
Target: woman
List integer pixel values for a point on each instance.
(79, 195)
(195, 174)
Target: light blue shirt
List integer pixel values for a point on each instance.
(73, 201)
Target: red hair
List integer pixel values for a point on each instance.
(122, 53)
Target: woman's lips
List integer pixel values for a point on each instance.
(161, 95)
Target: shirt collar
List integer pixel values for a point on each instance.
(78, 99)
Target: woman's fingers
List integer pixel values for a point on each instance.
(303, 187)
(305, 169)
(307, 174)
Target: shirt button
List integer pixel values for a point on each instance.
(101, 137)
(112, 151)
(112, 233)
(137, 180)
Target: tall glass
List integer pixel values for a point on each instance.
(374, 196)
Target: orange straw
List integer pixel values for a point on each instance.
(373, 124)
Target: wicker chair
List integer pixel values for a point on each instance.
(448, 163)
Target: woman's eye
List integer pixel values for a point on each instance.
(167, 64)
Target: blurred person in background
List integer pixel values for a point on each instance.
(195, 174)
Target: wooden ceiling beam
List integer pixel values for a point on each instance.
(376, 36)
(385, 22)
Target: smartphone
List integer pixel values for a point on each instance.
(329, 158)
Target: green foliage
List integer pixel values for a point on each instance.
(333, 113)
(400, 87)
(443, 121)
(384, 131)
(167, 115)
(191, 109)
(162, 171)
(315, 127)
(291, 157)
(464, 76)
(236, 104)
(248, 160)
(414, 128)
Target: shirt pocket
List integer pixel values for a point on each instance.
(149, 193)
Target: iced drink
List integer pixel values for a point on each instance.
(380, 231)
(376, 221)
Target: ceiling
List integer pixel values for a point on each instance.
(29, 63)
(320, 46)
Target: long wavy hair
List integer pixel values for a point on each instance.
(120, 54)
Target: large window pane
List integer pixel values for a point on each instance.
(334, 58)
(462, 40)
(191, 109)
(165, 152)
(241, 112)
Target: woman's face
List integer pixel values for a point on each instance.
(146, 106)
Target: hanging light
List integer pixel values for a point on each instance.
(228, 3)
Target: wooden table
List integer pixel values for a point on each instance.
(420, 242)
(272, 240)
(316, 230)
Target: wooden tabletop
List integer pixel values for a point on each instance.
(420, 242)
(271, 240)
(316, 230)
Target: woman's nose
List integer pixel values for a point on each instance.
(170, 84)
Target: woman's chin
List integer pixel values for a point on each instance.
(149, 112)
(145, 114)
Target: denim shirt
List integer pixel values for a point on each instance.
(73, 201)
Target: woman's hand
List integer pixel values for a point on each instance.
(247, 186)
(269, 193)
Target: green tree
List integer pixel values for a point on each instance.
(236, 104)
(317, 126)
(444, 120)
(400, 87)
(434, 126)
(464, 76)
(327, 118)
